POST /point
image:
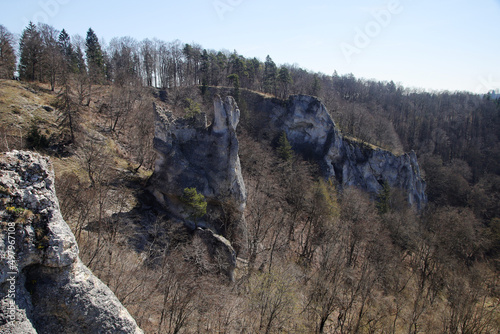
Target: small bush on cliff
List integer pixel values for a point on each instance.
(195, 203)
(36, 140)
(192, 109)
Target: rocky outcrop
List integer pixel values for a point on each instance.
(44, 287)
(220, 251)
(191, 154)
(311, 130)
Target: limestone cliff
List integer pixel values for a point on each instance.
(44, 287)
(311, 130)
(192, 154)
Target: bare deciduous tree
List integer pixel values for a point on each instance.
(7, 54)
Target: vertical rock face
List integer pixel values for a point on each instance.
(311, 130)
(44, 287)
(191, 154)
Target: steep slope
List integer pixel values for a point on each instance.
(45, 288)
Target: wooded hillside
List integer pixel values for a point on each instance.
(319, 259)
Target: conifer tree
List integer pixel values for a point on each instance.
(69, 112)
(196, 204)
(238, 66)
(51, 59)
(235, 78)
(192, 109)
(67, 52)
(80, 67)
(270, 75)
(316, 86)
(325, 199)
(284, 79)
(253, 69)
(95, 57)
(285, 151)
(383, 198)
(30, 50)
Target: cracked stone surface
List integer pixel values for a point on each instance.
(44, 286)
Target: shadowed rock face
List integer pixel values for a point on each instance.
(311, 130)
(192, 154)
(44, 287)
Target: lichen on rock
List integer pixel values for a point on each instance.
(44, 287)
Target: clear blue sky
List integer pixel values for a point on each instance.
(432, 44)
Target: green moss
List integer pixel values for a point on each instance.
(192, 109)
(14, 211)
(20, 215)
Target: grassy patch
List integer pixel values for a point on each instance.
(371, 146)
(20, 106)
(364, 143)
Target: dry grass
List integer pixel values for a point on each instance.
(143, 287)
(370, 145)
(21, 105)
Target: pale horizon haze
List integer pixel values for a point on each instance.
(438, 45)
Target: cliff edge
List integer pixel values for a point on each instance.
(311, 130)
(193, 154)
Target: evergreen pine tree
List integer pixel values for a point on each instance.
(67, 51)
(238, 66)
(80, 67)
(30, 50)
(383, 198)
(325, 199)
(69, 112)
(270, 75)
(51, 59)
(235, 78)
(35, 139)
(195, 203)
(284, 79)
(285, 151)
(205, 66)
(95, 57)
(192, 109)
(316, 86)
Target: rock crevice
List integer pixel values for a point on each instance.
(195, 155)
(44, 287)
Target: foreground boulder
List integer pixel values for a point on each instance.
(44, 286)
(192, 154)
